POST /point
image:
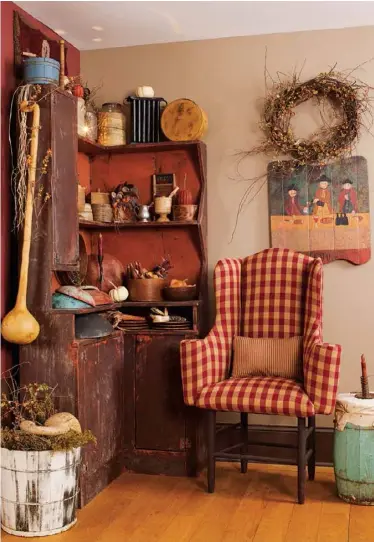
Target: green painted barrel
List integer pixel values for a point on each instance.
(354, 449)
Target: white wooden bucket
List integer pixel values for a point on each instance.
(39, 491)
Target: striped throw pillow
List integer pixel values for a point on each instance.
(268, 357)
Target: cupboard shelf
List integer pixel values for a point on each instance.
(117, 332)
(86, 224)
(93, 149)
(125, 304)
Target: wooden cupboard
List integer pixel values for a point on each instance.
(127, 387)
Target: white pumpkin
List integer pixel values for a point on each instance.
(145, 92)
(119, 294)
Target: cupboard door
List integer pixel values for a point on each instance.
(100, 399)
(64, 181)
(159, 406)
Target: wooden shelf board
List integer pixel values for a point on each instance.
(187, 332)
(152, 331)
(89, 147)
(117, 306)
(86, 224)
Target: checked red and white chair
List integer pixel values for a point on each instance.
(276, 293)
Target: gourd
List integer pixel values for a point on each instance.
(184, 197)
(119, 293)
(58, 424)
(78, 91)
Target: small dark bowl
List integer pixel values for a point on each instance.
(182, 293)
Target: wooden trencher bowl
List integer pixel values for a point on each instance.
(184, 120)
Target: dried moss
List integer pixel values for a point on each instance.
(15, 439)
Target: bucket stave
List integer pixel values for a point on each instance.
(354, 449)
(39, 491)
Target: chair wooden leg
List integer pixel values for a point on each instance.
(211, 432)
(312, 446)
(301, 456)
(244, 439)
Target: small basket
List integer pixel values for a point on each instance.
(146, 289)
(102, 212)
(100, 198)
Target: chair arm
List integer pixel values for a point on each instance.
(321, 375)
(203, 362)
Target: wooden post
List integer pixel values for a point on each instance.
(211, 430)
(62, 64)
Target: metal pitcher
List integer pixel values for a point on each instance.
(143, 213)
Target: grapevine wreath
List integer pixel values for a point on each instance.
(349, 101)
(351, 110)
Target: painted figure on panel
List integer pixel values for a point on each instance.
(348, 198)
(322, 211)
(322, 198)
(292, 206)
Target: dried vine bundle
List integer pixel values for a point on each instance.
(335, 140)
(21, 159)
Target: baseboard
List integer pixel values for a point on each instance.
(284, 435)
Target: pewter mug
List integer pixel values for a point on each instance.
(143, 213)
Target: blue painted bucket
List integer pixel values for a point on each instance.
(354, 449)
(41, 71)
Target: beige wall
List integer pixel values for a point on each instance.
(226, 77)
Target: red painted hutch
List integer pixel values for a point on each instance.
(126, 387)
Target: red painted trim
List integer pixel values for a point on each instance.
(355, 256)
(8, 244)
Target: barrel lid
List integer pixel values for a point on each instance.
(352, 409)
(183, 120)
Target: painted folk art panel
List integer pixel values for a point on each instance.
(322, 211)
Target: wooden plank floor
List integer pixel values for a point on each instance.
(255, 507)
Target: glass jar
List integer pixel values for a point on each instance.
(112, 125)
(91, 123)
(81, 112)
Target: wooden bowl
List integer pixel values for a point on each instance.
(145, 289)
(182, 293)
(184, 213)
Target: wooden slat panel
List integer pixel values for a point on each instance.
(64, 182)
(100, 396)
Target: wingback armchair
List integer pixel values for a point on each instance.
(276, 293)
